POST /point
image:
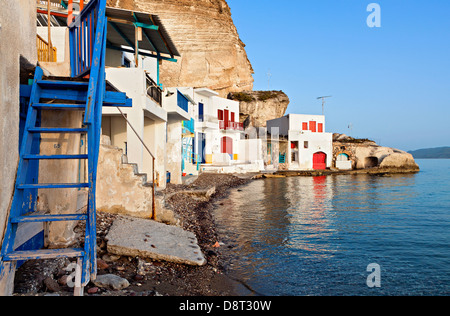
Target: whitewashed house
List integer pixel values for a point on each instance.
(181, 158)
(148, 125)
(303, 142)
(216, 128)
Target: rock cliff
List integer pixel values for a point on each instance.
(257, 107)
(213, 56)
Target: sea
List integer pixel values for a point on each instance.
(341, 235)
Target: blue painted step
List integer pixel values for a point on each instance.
(57, 130)
(44, 254)
(63, 157)
(55, 106)
(56, 84)
(48, 218)
(53, 186)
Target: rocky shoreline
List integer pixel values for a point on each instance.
(146, 277)
(149, 278)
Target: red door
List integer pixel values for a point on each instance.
(227, 146)
(320, 161)
(312, 126)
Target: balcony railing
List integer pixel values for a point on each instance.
(189, 126)
(153, 91)
(43, 51)
(231, 126)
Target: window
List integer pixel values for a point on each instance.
(312, 126)
(220, 115)
(320, 127)
(305, 126)
(306, 144)
(232, 116)
(126, 62)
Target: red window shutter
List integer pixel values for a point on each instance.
(312, 126)
(320, 127)
(220, 115)
(232, 116)
(305, 126)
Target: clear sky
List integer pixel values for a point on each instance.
(391, 83)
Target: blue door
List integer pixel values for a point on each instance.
(200, 112)
(201, 147)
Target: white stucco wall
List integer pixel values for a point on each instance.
(291, 126)
(17, 37)
(152, 129)
(317, 142)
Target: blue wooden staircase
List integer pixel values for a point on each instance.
(84, 91)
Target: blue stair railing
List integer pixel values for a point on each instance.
(87, 47)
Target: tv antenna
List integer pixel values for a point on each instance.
(350, 127)
(323, 102)
(269, 75)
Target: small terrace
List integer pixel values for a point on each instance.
(153, 90)
(232, 126)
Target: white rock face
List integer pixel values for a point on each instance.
(367, 154)
(212, 54)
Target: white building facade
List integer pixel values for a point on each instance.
(217, 130)
(306, 144)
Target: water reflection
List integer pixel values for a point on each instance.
(316, 235)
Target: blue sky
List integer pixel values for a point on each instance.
(391, 83)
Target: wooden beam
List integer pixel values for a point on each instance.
(136, 24)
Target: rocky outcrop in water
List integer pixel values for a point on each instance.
(365, 154)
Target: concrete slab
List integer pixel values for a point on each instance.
(143, 238)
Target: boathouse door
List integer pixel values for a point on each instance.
(227, 146)
(320, 161)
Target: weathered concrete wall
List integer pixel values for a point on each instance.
(60, 201)
(17, 37)
(121, 191)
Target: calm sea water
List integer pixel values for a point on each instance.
(317, 236)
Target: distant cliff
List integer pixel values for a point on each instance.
(257, 107)
(431, 153)
(213, 56)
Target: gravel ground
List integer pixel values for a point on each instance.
(148, 278)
